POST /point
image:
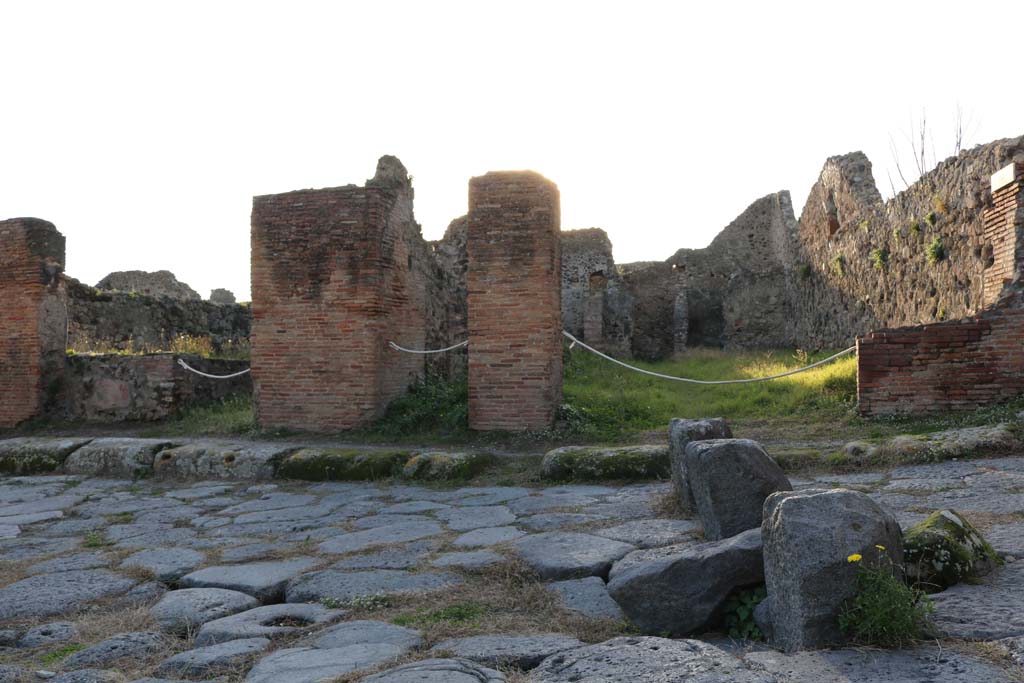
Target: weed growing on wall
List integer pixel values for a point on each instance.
(931, 218)
(885, 612)
(739, 614)
(838, 265)
(915, 228)
(879, 258)
(935, 251)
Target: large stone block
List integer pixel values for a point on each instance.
(681, 431)
(808, 536)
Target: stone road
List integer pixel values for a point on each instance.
(113, 580)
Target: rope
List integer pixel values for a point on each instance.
(396, 347)
(701, 381)
(188, 367)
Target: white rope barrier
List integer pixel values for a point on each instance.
(188, 367)
(396, 347)
(701, 381)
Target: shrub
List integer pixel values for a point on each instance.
(935, 251)
(879, 258)
(838, 265)
(931, 218)
(915, 228)
(436, 405)
(885, 612)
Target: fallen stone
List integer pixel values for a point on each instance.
(442, 465)
(396, 533)
(364, 631)
(213, 659)
(990, 610)
(521, 652)
(944, 550)
(486, 537)
(438, 671)
(115, 457)
(263, 580)
(566, 555)
(730, 480)
(139, 645)
(343, 586)
(208, 459)
(270, 621)
(167, 564)
(477, 559)
(808, 536)
(309, 665)
(467, 519)
(36, 454)
(605, 462)
(646, 555)
(683, 593)
(647, 660)
(681, 432)
(183, 610)
(650, 533)
(59, 593)
(48, 634)
(589, 597)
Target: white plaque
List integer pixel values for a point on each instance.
(1003, 177)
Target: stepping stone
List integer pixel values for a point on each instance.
(550, 521)
(59, 593)
(344, 586)
(47, 634)
(402, 557)
(466, 519)
(522, 652)
(365, 631)
(89, 560)
(183, 610)
(135, 646)
(167, 564)
(650, 533)
(310, 665)
(565, 555)
(485, 537)
(213, 659)
(263, 580)
(269, 621)
(990, 610)
(397, 533)
(477, 559)
(589, 597)
(438, 671)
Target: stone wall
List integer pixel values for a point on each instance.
(448, 315)
(33, 320)
(515, 320)
(596, 306)
(119, 388)
(161, 283)
(334, 278)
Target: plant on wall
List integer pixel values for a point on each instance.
(931, 218)
(915, 228)
(838, 265)
(935, 251)
(879, 258)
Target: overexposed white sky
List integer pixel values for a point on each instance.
(143, 129)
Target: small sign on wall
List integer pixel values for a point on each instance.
(1004, 177)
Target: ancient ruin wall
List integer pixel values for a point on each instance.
(333, 281)
(34, 319)
(515, 320)
(596, 306)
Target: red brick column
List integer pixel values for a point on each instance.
(1004, 229)
(515, 310)
(33, 318)
(333, 280)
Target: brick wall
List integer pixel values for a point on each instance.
(962, 364)
(33, 319)
(333, 280)
(515, 347)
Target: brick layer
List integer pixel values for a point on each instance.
(514, 302)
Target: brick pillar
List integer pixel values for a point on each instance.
(33, 319)
(1004, 230)
(333, 280)
(515, 317)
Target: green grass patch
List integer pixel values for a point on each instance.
(463, 613)
(60, 654)
(231, 416)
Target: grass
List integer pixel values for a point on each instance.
(182, 344)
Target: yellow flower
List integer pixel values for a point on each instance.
(856, 557)
(880, 547)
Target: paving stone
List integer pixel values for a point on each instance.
(397, 533)
(212, 659)
(592, 490)
(167, 564)
(566, 555)
(472, 496)
(1014, 648)
(138, 645)
(545, 501)
(182, 610)
(377, 521)
(88, 560)
(406, 556)
(343, 586)
(650, 533)
(45, 504)
(275, 529)
(647, 660)
(289, 514)
(589, 597)
(466, 519)
(30, 518)
(366, 631)
(270, 621)
(438, 671)
(253, 551)
(271, 501)
(551, 521)
(59, 593)
(1007, 539)
(309, 665)
(413, 507)
(22, 549)
(143, 595)
(200, 492)
(485, 537)
(162, 537)
(48, 634)
(856, 479)
(991, 609)
(949, 469)
(12, 674)
(522, 652)
(88, 676)
(477, 559)
(263, 580)
(115, 457)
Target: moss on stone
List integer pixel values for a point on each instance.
(445, 466)
(944, 550)
(342, 464)
(35, 455)
(595, 463)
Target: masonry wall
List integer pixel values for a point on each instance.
(33, 318)
(334, 279)
(596, 306)
(515, 347)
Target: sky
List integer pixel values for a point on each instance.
(142, 130)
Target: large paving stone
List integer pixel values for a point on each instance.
(48, 634)
(681, 431)
(413, 507)
(309, 665)
(386, 535)
(589, 597)
(478, 538)
(188, 609)
(115, 457)
(474, 559)
(377, 521)
(438, 671)
(270, 621)
(167, 564)
(1007, 539)
(263, 580)
(137, 645)
(650, 533)
(545, 501)
(647, 660)
(253, 551)
(473, 496)
(522, 652)
(89, 676)
(683, 593)
(332, 584)
(466, 519)
(212, 659)
(365, 631)
(565, 555)
(59, 593)
(276, 500)
(551, 521)
(219, 460)
(43, 504)
(290, 514)
(67, 563)
(22, 549)
(991, 609)
(406, 556)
